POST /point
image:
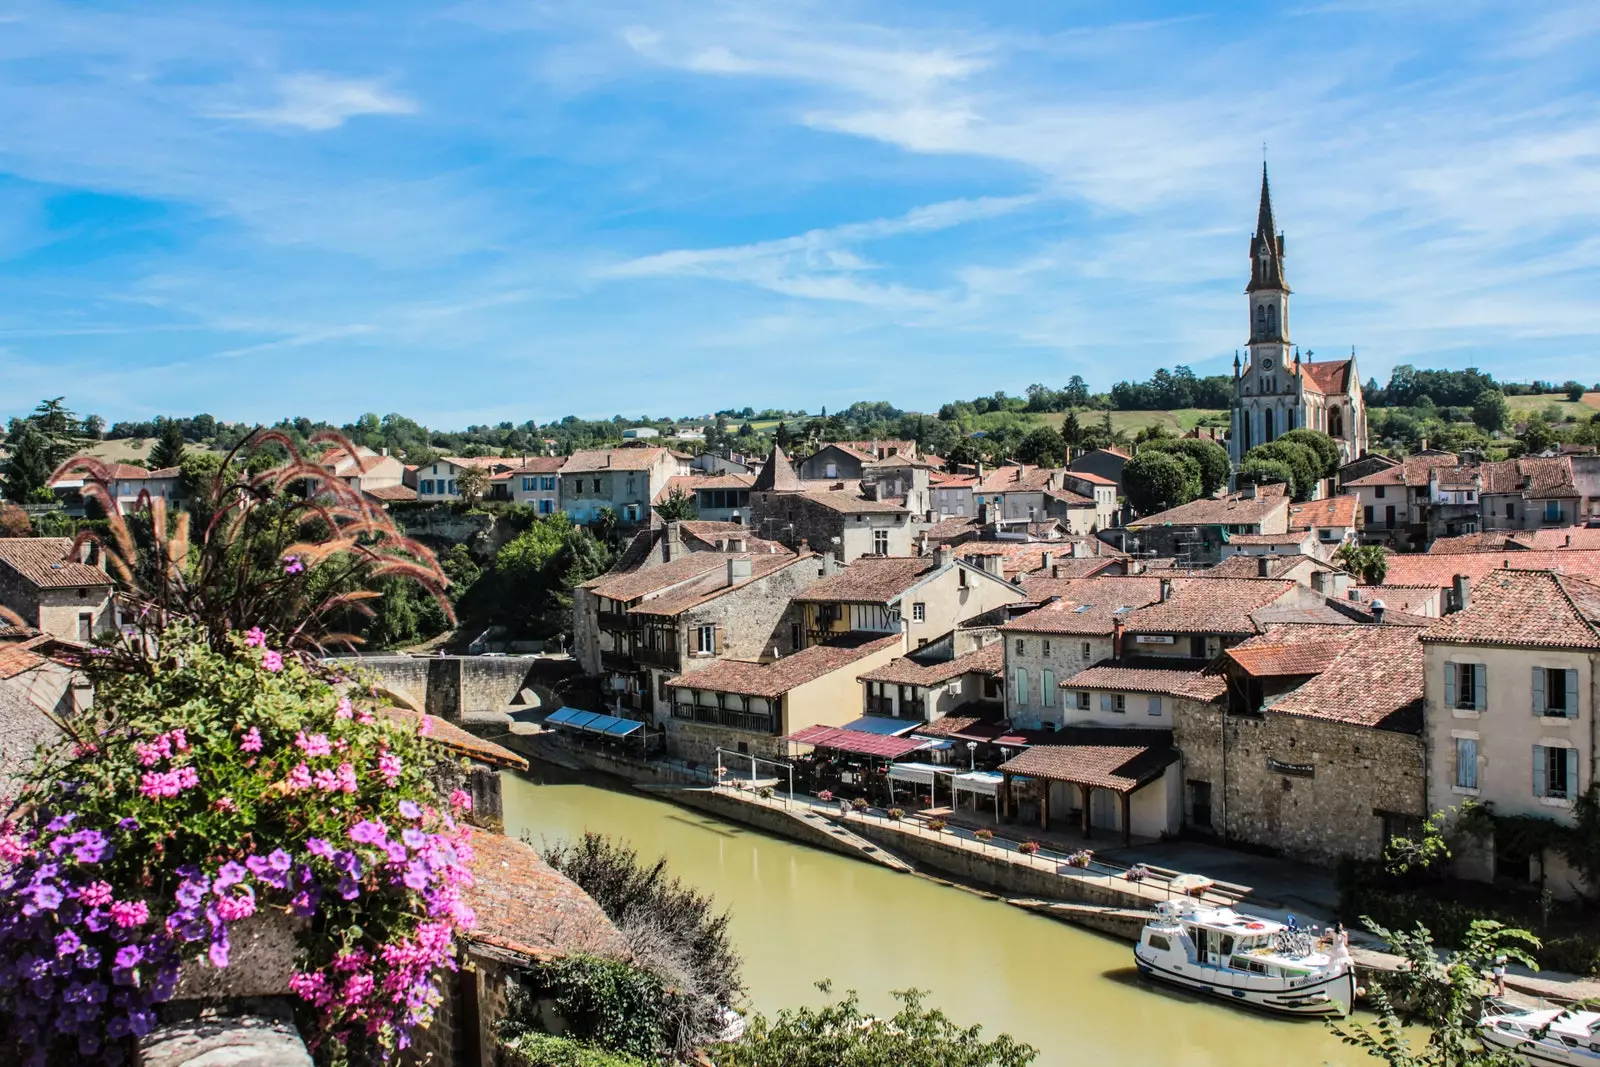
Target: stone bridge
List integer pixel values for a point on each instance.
(452, 686)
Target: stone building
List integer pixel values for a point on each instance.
(925, 688)
(625, 480)
(1195, 533)
(53, 589)
(1511, 677)
(1276, 392)
(1315, 752)
(845, 519)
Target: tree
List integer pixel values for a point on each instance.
(1299, 458)
(1574, 390)
(95, 427)
(168, 449)
(1370, 563)
(1043, 447)
(1076, 394)
(1326, 449)
(1443, 994)
(782, 437)
(678, 506)
(1490, 410)
(29, 469)
(1210, 457)
(1072, 433)
(964, 453)
(1581, 847)
(473, 484)
(1258, 470)
(842, 1035)
(1155, 481)
(14, 521)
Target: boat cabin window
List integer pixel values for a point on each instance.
(1243, 963)
(1227, 944)
(1158, 941)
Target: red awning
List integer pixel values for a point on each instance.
(856, 741)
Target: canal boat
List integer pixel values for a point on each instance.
(1246, 960)
(1545, 1038)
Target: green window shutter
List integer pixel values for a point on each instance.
(1450, 685)
(1480, 686)
(1572, 694)
(1538, 771)
(1539, 704)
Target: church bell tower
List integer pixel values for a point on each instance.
(1268, 294)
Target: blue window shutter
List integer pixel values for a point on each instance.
(1450, 685)
(1538, 771)
(1539, 704)
(1105, 701)
(1572, 694)
(1480, 686)
(1572, 774)
(1155, 705)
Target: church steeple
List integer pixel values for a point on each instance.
(1266, 246)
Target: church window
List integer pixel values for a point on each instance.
(1335, 423)
(1261, 317)
(1272, 320)
(1266, 425)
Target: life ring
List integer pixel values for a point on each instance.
(1255, 926)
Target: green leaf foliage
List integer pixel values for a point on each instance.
(842, 1035)
(1301, 459)
(1210, 457)
(1326, 449)
(1043, 447)
(1155, 480)
(546, 1050)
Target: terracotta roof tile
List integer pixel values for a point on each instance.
(851, 502)
(631, 585)
(42, 562)
(1427, 569)
(1525, 608)
(781, 675)
(1229, 510)
(462, 742)
(1209, 606)
(1293, 537)
(1175, 677)
(715, 536)
(1330, 511)
(1267, 659)
(599, 460)
(989, 660)
(1413, 471)
(1244, 566)
(1330, 378)
(1087, 605)
(1375, 678)
(689, 483)
(1094, 479)
(715, 584)
(1533, 478)
(870, 579)
(527, 907)
(391, 492)
(1122, 768)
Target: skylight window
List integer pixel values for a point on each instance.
(1081, 608)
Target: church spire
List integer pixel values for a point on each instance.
(1266, 246)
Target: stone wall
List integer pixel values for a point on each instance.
(1310, 789)
(450, 686)
(244, 1033)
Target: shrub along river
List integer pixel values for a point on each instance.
(800, 915)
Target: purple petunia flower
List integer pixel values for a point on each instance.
(368, 832)
(413, 838)
(348, 889)
(318, 847)
(293, 565)
(130, 956)
(67, 943)
(395, 851)
(410, 809)
(416, 876)
(128, 824)
(218, 953)
(228, 875)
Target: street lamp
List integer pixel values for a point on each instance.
(972, 755)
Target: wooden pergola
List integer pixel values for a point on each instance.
(1122, 769)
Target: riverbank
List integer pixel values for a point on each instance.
(1098, 898)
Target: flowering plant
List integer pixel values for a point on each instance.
(937, 824)
(221, 783)
(859, 804)
(825, 795)
(983, 834)
(1081, 858)
(896, 814)
(1028, 848)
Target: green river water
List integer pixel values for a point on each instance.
(800, 915)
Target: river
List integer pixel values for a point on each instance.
(800, 915)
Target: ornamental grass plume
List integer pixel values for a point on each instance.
(202, 791)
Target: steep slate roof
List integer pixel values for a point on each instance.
(714, 585)
(1525, 608)
(42, 562)
(1374, 677)
(1167, 677)
(1209, 606)
(870, 579)
(780, 676)
(1101, 599)
(1229, 510)
(990, 660)
(600, 460)
(1329, 511)
(1119, 760)
(1425, 569)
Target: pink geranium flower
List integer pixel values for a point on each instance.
(255, 638)
(272, 661)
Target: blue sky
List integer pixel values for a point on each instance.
(481, 211)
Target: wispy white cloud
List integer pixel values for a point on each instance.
(320, 102)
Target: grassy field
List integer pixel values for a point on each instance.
(1523, 406)
(123, 450)
(1180, 420)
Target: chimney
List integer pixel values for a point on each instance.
(1055, 572)
(1263, 567)
(1248, 491)
(943, 556)
(1569, 542)
(1166, 590)
(1044, 560)
(738, 569)
(1460, 593)
(1338, 583)
(980, 470)
(1319, 582)
(672, 543)
(1378, 608)
(830, 564)
(994, 563)
(384, 450)
(1116, 638)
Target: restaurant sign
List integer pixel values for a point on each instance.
(1293, 770)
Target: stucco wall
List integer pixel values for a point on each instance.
(1065, 659)
(59, 610)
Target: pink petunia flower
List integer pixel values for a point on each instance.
(344, 711)
(461, 800)
(130, 913)
(271, 661)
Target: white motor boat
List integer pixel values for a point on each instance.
(1546, 1037)
(1246, 960)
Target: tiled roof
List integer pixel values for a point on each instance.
(689, 483)
(714, 584)
(1079, 567)
(1093, 479)
(1169, 677)
(1294, 537)
(1066, 496)
(1209, 606)
(1374, 679)
(462, 742)
(1262, 658)
(1533, 478)
(870, 579)
(851, 502)
(1330, 511)
(1021, 557)
(42, 562)
(716, 535)
(968, 723)
(1525, 608)
(1243, 566)
(881, 447)
(341, 461)
(1473, 542)
(777, 474)
(599, 460)
(631, 585)
(527, 907)
(1408, 568)
(990, 660)
(886, 746)
(781, 675)
(21, 658)
(1122, 768)
(955, 529)
(1413, 471)
(489, 463)
(1417, 599)
(952, 481)
(1102, 600)
(1230, 510)
(391, 492)
(1018, 478)
(1329, 378)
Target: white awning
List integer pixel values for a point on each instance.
(985, 782)
(921, 773)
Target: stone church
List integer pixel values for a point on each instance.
(1276, 392)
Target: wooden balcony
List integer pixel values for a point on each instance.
(734, 720)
